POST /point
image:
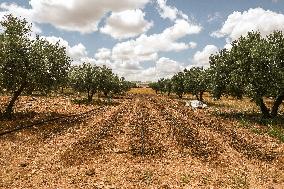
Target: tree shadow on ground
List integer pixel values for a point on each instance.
(251, 151)
(256, 123)
(95, 143)
(18, 116)
(201, 147)
(98, 102)
(218, 105)
(251, 118)
(42, 124)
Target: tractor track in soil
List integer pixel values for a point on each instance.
(144, 142)
(230, 137)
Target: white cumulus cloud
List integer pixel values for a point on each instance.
(214, 17)
(103, 54)
(126, 24)
(163, 68)
(72, 15)
(147, 47)
(192, 45)
(76, 52)
(201, 58)
(169, 12)
(84, 16)
(258, 19)
(19, 12)
(166, 67)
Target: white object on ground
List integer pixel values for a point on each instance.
(195, 104)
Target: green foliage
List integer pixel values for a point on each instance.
(168, 86)
(85, 78)
(196, 81)
(186, 178)
(276, 132)
(193, 81)
(123, 86)
(178, 84)
(163, 85)
(108, 82)
(155, 86)
(28, 64)
(253, 67)
(93, 79)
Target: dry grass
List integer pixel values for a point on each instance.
(247, 115)
(145, 141)
(148, 91)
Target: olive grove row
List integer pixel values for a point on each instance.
(253, 67)
(30, 64)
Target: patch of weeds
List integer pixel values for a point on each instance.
(256, 131)
(277, 121)
(267, 122)
(276, 133)
(99, 102)
(147, 177)
(218, 104)
(273, 131)
(244, 122)
(81, 101)
(240, 181)
(18, 116)
(186, 178)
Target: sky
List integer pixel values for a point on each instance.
(144, 40)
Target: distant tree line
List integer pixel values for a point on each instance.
(194, 81)
(93, 79)
(253, 67)
(30, 64)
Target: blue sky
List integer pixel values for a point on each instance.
(146, 39)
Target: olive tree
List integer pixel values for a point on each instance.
(28, 64)
(155, 86)
(163, 85)
(218, 73)
(107, 81)
(178, 84)
(196, 81)
(253, 67)
(121, 85)
(168, 86)
(95, 79)
(85, 78)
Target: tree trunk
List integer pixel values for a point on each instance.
(276, 105)
(197, 97)
(90, 96)
(201, 96)
(169, 93)
(180, 95)
(106, 94)
(263, 108)
(239, 97)
(9, 108)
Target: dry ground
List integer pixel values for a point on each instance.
(144, 141)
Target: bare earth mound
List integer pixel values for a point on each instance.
(144, 142)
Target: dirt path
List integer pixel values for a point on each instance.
(144, 142)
